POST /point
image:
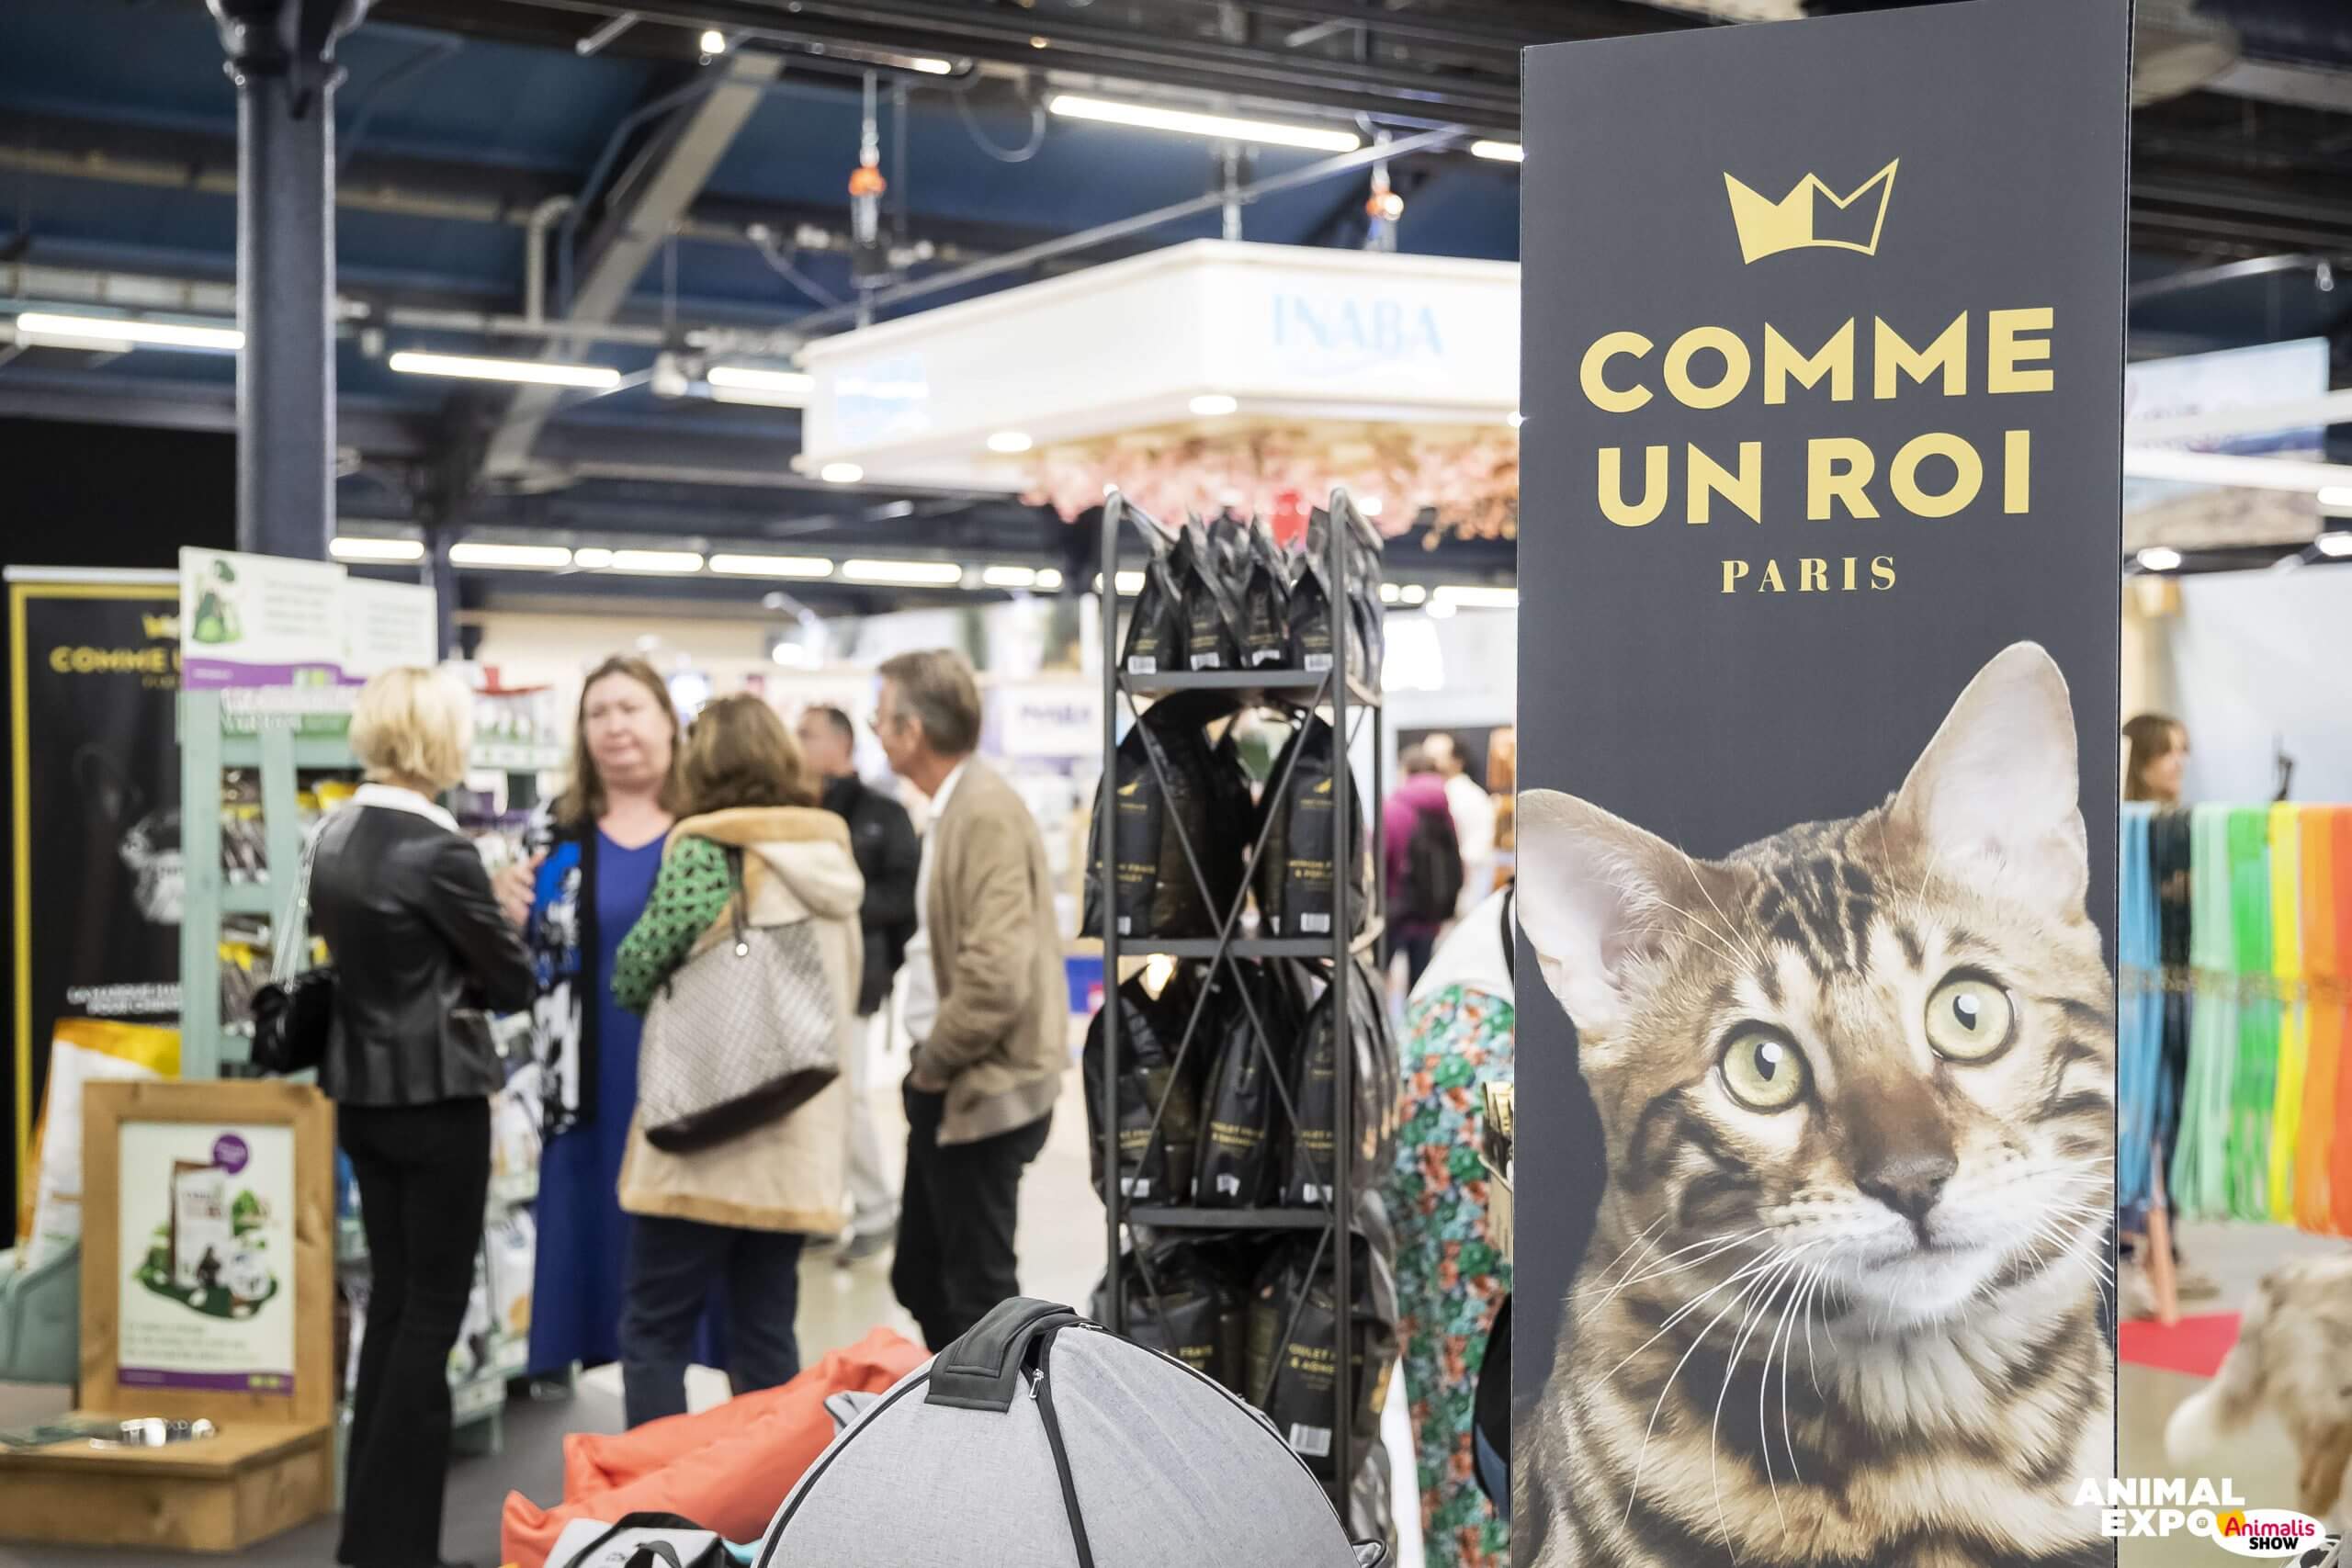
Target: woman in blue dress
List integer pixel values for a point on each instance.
(599, 849)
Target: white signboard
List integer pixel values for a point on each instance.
(207, 1216)
(2158, 512)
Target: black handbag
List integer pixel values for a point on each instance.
(294, 1014)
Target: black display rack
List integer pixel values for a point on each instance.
(1350, 699)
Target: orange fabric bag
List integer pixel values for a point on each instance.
(2315, 1149)
(728, 1469)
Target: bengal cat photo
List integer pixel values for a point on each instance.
(1842, 1305)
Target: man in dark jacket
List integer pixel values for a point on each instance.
(889, 855)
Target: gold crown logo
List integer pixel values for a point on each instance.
(1793, 222)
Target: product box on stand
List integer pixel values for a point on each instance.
(207, 1302)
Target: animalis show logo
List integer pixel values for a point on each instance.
(2142, 1508)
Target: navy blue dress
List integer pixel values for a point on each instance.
(584, 1236)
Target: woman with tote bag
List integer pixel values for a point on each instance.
(746, 964)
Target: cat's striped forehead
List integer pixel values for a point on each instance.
(1828, 892)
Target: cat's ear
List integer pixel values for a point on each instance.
(1598, 898)
(1996, 795)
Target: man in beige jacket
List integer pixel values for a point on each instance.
(986, 1004)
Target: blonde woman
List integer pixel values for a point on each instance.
(735, 1215)
(421, 948)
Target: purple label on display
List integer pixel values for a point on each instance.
(214, 1382)
(230, 1153)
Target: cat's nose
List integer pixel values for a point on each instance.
(1909, 1183)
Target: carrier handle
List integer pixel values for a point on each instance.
(982, 1370)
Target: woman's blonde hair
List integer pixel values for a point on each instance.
(583, 800)
(413, 726)
(738, 753)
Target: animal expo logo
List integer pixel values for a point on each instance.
(2142, 1509)
(1811, 216)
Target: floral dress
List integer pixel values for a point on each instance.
(1450, 1276)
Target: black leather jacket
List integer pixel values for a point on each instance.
(416, 936)
(888, 856)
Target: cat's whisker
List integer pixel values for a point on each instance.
(1744, 1271)
(1639, 1247)
(1784, 1275)
(1764, 1386)
(1641, 1456)
(1623, 1285)
(1755, 952)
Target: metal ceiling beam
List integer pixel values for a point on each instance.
(655, 195)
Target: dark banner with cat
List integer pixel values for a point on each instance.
(1818, 564)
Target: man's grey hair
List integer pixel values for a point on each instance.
(937, 688)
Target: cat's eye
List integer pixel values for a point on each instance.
(1970, 1018)
(1764, 1070)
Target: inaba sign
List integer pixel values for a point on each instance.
(1355, 328)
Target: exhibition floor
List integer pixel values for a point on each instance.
(1061, 1258)
(2260, 1459)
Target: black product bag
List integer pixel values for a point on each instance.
(1261, 595)
(1153, 1168)
(1292, 1379)
(1241, 1107)
(1155, 643)
(1308, 1153)
(1209, 617)
(1295, 876)
(1311, 598)
(1185, 1298)
(1364, 550)
(1155, 812)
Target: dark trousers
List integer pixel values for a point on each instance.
(423, 1174)
(1418, 944)
(955, 1258)
(673, 1267)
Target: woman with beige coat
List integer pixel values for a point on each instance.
(736, 1211)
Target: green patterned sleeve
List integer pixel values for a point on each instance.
(690, 893)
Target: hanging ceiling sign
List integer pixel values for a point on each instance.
(1211, 339)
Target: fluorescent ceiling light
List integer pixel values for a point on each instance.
(929, 66)
(1390, 593)
(1501, 151)
(1416, 594)
(1438, 609)
(511, 558)
(841, 473)
(593, 558)
(1463, 597)
(667, 561)
(1010, 577)
(2240, 469)
(713, 42)
(534, 372)
(1214, 403)
(1048, 580)
(770, 566)
(770, 388)
(1010, 442)
(1129, 582)
(348, 547)
(111, 332)
(2336, 542)
(910, 573)
(1223, 128)
(2335, 497)
(2160, 558)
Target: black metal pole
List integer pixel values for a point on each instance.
(1107, 869)
(441, 576)
(281, 56)
(1344, 979)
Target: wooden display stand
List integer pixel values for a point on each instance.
(271, 1466)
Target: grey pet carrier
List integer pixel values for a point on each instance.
(1042, 1440)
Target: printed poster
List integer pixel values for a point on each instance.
(96, 819)
(207, 1214)
(1819, 545)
